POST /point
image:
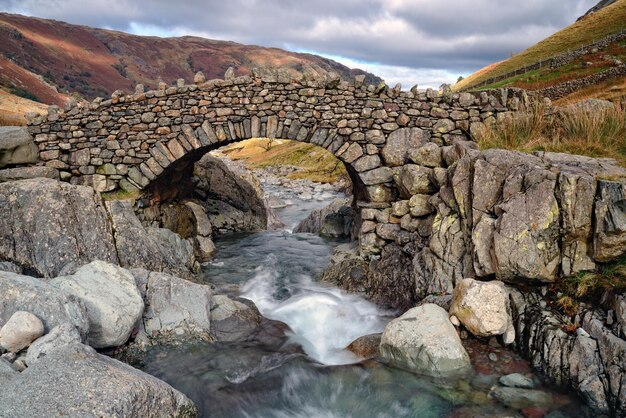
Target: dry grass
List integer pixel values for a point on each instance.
(593, 27)
(12, 109)
(598, 133)
(590, 286)
(314, 162)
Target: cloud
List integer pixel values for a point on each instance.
(423, 41)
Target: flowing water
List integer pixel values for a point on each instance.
(270, 377)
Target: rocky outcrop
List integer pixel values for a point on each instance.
(590, 360)
(88, 384)
(332, 221)
(424, 341)
(17, 146)
(233, 197)
(49, 228)
(113, 302)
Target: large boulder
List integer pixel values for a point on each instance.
(77, 381)
(114, 304)
(229, 189)
(483, 308)
(424, 341)
(49, 227)
(17, 146)
(332, 221)
(175, 307)
(48, 303)
(233, 319)
(46, 225)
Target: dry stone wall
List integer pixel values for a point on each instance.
(129, 141)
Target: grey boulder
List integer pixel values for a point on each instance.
(424, 341)
(114, 304)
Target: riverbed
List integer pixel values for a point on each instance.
(308, 372)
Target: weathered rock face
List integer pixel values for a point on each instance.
(424, 341)
(17, 146)
(48, 303)
(234, 198)
(114, 304)
(332, 221)
(88, 384)
(19, 331)
(47, 226)
(591, 362)
(483, 308)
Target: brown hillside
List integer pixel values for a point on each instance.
(96, 62)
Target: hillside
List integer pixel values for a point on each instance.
(594, 26)
(96, 62)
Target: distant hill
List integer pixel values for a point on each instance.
(95, 62)
(608, 17)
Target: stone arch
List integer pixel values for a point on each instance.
(129, 141)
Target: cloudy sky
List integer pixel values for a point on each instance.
(425, 42)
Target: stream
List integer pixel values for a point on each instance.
(271, 376)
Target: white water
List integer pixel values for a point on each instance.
(324, 320)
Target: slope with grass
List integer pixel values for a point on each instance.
(313, 162)
(608, 20)
(590, 132)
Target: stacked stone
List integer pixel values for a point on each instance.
(127, 141)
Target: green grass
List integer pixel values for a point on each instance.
(593, 27)
(592, 133)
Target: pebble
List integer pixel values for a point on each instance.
(493, 357)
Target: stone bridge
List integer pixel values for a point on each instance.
(391, 141)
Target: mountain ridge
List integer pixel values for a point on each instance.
(92, 62)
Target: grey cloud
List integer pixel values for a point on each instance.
(454, 35)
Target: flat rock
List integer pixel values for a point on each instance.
(22, 173)
(517, 380)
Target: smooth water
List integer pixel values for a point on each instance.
(271, 377)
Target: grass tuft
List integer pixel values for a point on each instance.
(594, 133)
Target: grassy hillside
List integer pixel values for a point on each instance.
(588, 29)
(314, 163)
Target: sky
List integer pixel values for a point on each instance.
(424, 42)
